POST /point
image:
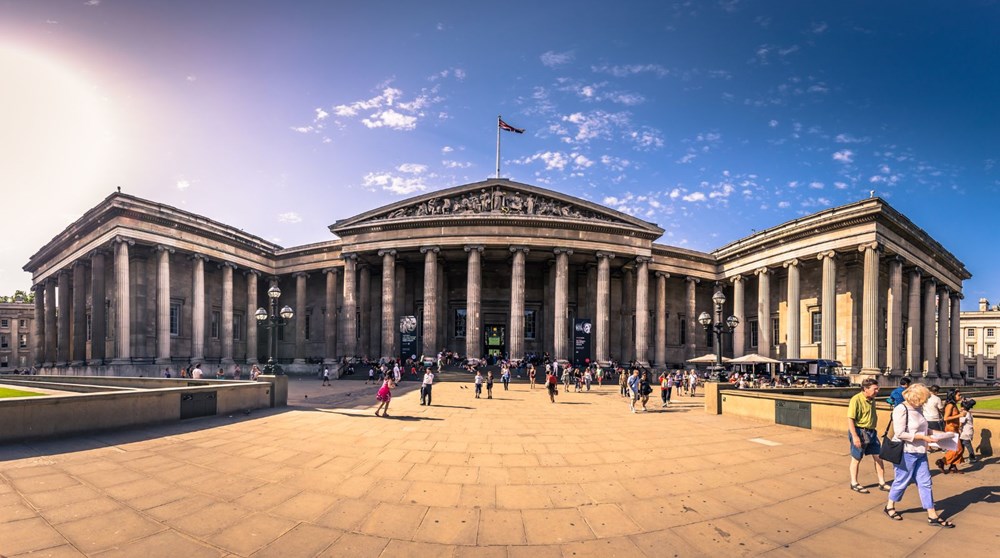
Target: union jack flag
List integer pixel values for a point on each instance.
(509, 128)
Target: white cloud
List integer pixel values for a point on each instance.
(400, 185)
(321, 114)
(840, 185)
(773, 123)
(390, 119)
(183, 184)
(92, 3)
(647, 139)
(412, 168)
(302, 129)
(694, 197)
(289, 217)
(553, 59)
(191, 78)
(844, 156)
(816, 185)
(848, 138)
(819, 28)
(388, 109)
(455, 164)
(447, 149)
(783, 204)
(630, 69)
(687, 158)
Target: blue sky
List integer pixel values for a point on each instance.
(711, 119)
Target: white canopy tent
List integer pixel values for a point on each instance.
(707, 359)
(754, 359)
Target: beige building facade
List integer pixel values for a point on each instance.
(17, 324)
(494, 267)
(980, 340)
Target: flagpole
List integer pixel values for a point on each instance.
(498, 146)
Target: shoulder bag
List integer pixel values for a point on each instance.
(893, 451)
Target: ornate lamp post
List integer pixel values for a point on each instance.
(272, 322)
(718, 327)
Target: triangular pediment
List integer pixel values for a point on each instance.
(498, 199)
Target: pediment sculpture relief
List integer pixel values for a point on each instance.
(494, 201)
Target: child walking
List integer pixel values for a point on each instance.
(968, 431)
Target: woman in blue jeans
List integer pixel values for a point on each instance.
(910, 427)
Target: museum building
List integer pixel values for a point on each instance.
(491, 268)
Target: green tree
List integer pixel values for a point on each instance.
(19, 296)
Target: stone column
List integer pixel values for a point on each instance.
(252, 347)
(301, 317)
(430, 344)
(163, 304)
(198, 308)
(98, 310)
(227, 313)
(516, 336)
(79, 334)
(956, 334)
(691, 320)
(473, 285)
(642, 310)
(869, 310)
(65, 312)
(364, 303)
(930, 331)
(943, 332)
(123, 306)
(660, 352)
(913, 363)
(561, 303)
(739, 310)
(388, 304)
(330, 318)
(590, 302)
(38, 324)
(628, 314)
(793, 327)
(51, 331)
(894, 319)
(764, 331)
(350, 306)
(828, 307)
(603, 309)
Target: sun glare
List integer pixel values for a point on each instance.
(57, 133)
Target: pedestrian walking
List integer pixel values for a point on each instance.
(551, 383)
(953, 414)
(633, 385)
(505, 377)
(489, 384)
(531, 376)
(623, 382)
(383, 396)
(861, 430)
(326, 376)
(968, 430)
(425, 387)
(479, 383)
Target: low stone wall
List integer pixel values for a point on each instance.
(105, 403)
(827, 408)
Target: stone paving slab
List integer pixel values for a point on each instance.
(510, 476)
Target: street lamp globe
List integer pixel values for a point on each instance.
(260, 315)
(732, 322)
(718, 298)
(705, 319)
(274, 292)
(287, 313)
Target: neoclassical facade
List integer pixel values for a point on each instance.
(980, 339)
(16, 337)
(494, 267)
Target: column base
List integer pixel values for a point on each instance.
(299, 361)
(227, 361)
(874, 372)
(252, 361)
(162, 360)
(120, 361)
(331, 360)
(78, 363)
(197, 360)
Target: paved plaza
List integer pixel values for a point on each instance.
(512, 476)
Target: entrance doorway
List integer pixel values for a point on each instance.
(496, 341)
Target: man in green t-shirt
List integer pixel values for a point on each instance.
(861, 431)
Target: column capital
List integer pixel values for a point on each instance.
(38, 288)
(736, 279)
(794, 262)
(164, 248)
(930, 280)
(917, 269)
(944, 289)
(610, 256)
(958, 295)
(663, 274)
(333, 270)
(694, 280)
(79, 263)
(298, 274)
(249, 272)
(230, 265)
(566, 251)
(477, 247)
(387, 251)
(123, 239)
(870, 246)
(425, 249)
(524, 249)
(201, 257)
(349, 256)
(643, 259)
(761, 271)
(895, 258)
(97, 252)
(827, 254)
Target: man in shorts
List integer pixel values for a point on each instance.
(861, 431)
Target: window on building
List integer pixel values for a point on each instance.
(682, 328)
(3, 362)
(22, 340)
(903, 340)
(817, 327)
(308, 325)
(175, 318)
(775, 332)
(970, 351)
(90, 327)
(216, 323)
(4, 323)
(22, 323)
(237, 326)
(4, 341)
(970, 371)
(989, 351)
(970, 332)
(529, 324)
(752, 329)
(989, 332)
(460, 322)
(991, 373)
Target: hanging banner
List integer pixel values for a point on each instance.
(582, 330)
(408, 337)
